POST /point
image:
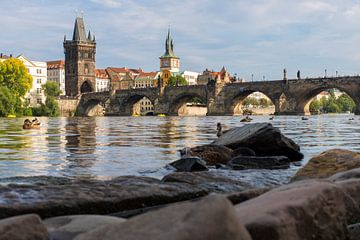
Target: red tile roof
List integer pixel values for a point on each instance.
(55, 64)
(101, 73)
(148, 74)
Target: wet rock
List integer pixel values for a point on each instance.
(352, 199)
(25, 227)
(207, 181)
(243, 151)
(68, 227)
(254, 162)
(263, 138)
(189, 164)
(354, 173)
(212, 218)
(239, 197)
(92, 197)
(211, 154)
(302, 210)
(354, 231)
(328, 163)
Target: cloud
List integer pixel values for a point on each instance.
(108, 3)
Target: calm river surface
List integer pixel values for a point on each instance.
(105, 147)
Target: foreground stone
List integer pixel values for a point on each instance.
(211, 154)
(207, 181)
(263, 138)
(328, 163)
(354, 173)
(354, 231)
(92, 197)
(254, 162)
(189, 164)
(25, 227)
(68, 227)
(212, 218)
(302, 210)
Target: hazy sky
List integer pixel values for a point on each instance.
(255, 36)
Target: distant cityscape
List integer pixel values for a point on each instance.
(78, 73)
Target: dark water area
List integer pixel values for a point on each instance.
(106, 147)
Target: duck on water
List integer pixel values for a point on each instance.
(34, 124)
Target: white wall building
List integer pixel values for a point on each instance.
(38, 71)
(102, 80)
(56, 73)
(190, 77)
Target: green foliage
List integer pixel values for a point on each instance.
(177, 81)
(7, 102)
(262, 102)
(332, 105)
(51, 89)
(15, 76)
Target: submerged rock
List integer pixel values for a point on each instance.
(208, 219)
(254, 162)
(211, 154)
(207, 181)
(263, 138)
(189, 164)
(328, 163)
(25, 227)
(243, 151)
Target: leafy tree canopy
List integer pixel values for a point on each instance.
(177, 81)
(14, 75)
(52, 89)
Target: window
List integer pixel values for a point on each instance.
(38, 90)
(38, 71)
(39, 101)
(38, 80)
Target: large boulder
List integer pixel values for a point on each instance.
(207, 181)
(299, 211)
(341, 176)
(24, 227)
(263, 138)
(255, 162)
(68, 227)
(212, 218)
(328, 163)
(211, 154)
(189, 164)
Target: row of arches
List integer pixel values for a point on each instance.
(192, 104)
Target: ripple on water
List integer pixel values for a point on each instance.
(105, 147)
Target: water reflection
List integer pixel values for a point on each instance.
(103, 147)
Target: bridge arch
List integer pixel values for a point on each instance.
(234, 104)
(180, 100)
(132, 105)
(303, 102)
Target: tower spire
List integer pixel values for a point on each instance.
(79, 30)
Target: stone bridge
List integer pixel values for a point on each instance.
(290, 97)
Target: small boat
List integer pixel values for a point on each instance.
(246, 119)
(136, 115)
(272, 118)
(11, 116)
(351, 119)
(34, 124)
(161, 115)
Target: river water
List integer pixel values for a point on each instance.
(106, 147)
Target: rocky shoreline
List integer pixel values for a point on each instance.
(322, 201)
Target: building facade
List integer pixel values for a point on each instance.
(102, 80)
(79, 61)
(169, 61)
(56, 73)
(38, 70)
(190, 77)
(146, 79)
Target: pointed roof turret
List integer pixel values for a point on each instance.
(89, 36)
(169, 47)
(79, 30)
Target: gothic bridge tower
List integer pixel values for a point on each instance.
(169, 61)
(79, 61)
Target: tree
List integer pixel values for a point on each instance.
(177, 81)
(315, 106)
(346, 103)
(15, 76)
(7, 102)
(51, 89)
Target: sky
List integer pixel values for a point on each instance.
(259, 37)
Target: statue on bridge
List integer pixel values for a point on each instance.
(285, 74)
(298, 74)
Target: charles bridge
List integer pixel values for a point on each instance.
(290, 97)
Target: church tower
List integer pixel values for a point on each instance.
(169, 61)
(79, 61)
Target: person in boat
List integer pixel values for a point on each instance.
(35, 121)
(219, 130)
